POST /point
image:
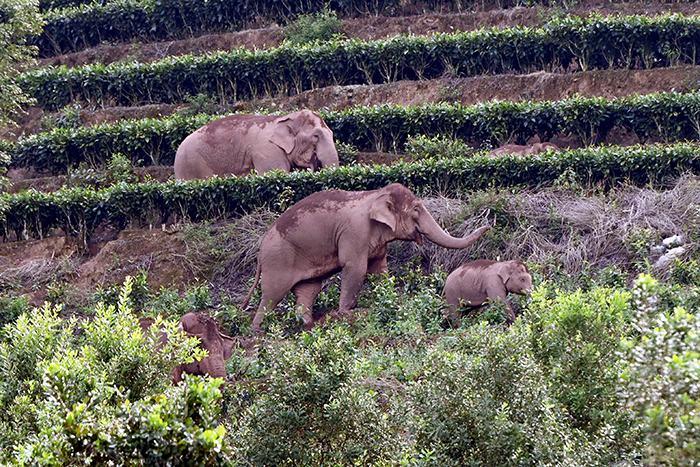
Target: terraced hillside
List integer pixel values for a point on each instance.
(599, 368)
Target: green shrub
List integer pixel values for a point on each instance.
(425, 147)
(107, 20)
(485, 401)
(312, 411)
(577, 336)
(315, 27)
(593, 42)
(660, 380)
(103, 394)
(11, 308)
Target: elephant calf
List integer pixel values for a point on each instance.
(340, 231)
(241, 144)
(477, 282)
(521, 150)
(219, 346)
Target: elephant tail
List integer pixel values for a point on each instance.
(244, 305)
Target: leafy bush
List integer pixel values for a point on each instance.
(315, 27)
(485, 401)
(666, 116)
(79, 211)
(660, 379)
(425, 147)
(312, 411)
(103, 394)
(592, 43)
(11, 308)
(576, 336)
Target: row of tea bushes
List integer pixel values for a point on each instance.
(591, 43)
(79, 211)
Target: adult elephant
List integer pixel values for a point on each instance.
(241, 144)
(335, 230)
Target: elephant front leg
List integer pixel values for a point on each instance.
(377, 265)
(306, 293)
(354, 264)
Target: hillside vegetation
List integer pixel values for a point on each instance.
(601, 366)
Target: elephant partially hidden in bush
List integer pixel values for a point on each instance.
(218, 346)
(241, 144)
(335, 230)
(520, 150)
(478, 282)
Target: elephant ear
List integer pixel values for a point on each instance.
(382, 210)
(284, 134)
(228, 343)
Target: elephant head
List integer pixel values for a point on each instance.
(397, 208)
(542, 147)
(516, 277)
(305, 139)
(218, 346)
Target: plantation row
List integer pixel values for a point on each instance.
(664, 116)
(89, 23)
(78, 211)
(591, 43)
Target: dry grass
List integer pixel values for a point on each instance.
(572, 230)
(37, 272)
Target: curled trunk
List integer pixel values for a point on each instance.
(430, 228)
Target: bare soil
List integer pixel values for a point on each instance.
(108, 262)
(372, 27)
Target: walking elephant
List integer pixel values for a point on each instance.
(477, 282)
(339, 231)
(241, 144)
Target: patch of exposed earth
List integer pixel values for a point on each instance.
(534, 86)
(368, 28)
(29, 267)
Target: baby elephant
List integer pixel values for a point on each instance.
(218, 345)
(476, 282)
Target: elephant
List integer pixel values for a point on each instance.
(241, 144)
(219, 346)
(339, 231)
(477, 282)
(520, 150)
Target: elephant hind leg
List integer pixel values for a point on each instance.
(306, 293)
(271, 296)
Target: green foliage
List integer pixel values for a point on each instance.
(577, 336)
(19, 19)
(103, 394)
(79, 211)
(666, 116)
(91, 22)
(425, 147)
(11, 308)
(593, 42)
(485, 401)
(660, 379)
(316, 27)
(312, 410)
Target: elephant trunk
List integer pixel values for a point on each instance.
(430, 228)
(326, 152)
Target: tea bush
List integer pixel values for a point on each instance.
(316, 27)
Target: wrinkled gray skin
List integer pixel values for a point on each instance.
(218, 345)
(477, 282)
(520, 150)
(340, 231)
(241, 144)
